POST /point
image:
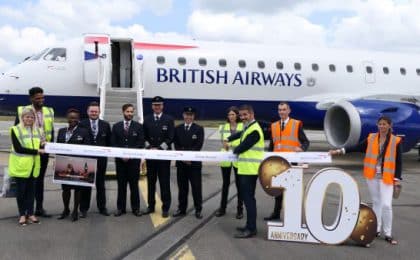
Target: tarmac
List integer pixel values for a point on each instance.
(153, 237)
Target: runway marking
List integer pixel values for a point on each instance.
(156, 217)
(184, 253)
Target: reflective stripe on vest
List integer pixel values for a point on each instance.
(224, 131)
(249, 161)
(22, 165)
(48, 117)
(372, 154)
(288, 139)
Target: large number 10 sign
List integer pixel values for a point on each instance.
(303, 210)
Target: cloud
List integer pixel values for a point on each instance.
(249, 6)
(4, 65)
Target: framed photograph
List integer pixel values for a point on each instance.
(77, 171)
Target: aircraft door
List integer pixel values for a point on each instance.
(122, 63)
(369, 71)
(96, 57)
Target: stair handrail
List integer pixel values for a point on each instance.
(102, 71)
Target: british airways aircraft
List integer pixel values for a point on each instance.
(340, 91)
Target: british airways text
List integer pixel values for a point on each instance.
(172, 75)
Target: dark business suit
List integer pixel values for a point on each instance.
(128, 171)
(80, 136)
(159, 134)
(191, 140)
(103, 138)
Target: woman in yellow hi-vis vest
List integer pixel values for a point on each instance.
(382, 170)
(24, 164)
(232, 126)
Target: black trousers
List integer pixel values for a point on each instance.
(159, 169)
(248, 183)
(278, 203)
(185, 174)
(225, 187)
(86, 192)
(66, 195)
(25, 190)
(128, 173)
(39, 183)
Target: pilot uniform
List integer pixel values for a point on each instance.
(189, 138)
(158, 134)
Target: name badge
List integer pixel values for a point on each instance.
(134, 134)
(194, 136)
(165, 128)
(79, 138)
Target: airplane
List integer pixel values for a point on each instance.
(340, 91)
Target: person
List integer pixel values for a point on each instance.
(72, 134)
(44, 119)
(250, 153)
(127, 134)
(159, 129)
(382, 170)
(231, 126)
(287, 135)
(189, 136)
(24, 163)
(100, 135)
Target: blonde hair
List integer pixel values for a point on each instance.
(26, 111)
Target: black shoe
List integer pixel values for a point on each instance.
(246, 234)
(198, 214)
(220, 212)
(165, 214)
(272, 217)
(83, 214)
(239, 214)
(119, 213)
(179, 213)
(42, 213)
(137, 213)
(149, 211)
(74, 216)
(104, 212)
(241, 229)
(64, 215)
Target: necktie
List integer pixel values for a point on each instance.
(282, 125)
(156, 118)
(94, 129)
(126, 126)
(187, 127)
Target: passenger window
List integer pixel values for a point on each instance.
(261, 64)
(160, 59)
(297, 66)
(403, 71)
(242, 63)
(385, 70)
(182, 61)
(332, 67)
(369, 69)
(349, 68)
(315, 67)
(202, 61)
(222, 63)
(418, 72)
(56, 54)
(279, 65)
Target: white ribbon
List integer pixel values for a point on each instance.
(103, 151)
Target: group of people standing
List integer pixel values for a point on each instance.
(241, 134)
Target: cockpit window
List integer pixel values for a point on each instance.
(38, 55)
(56, 54)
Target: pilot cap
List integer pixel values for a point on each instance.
(189, 109)
(157, 100)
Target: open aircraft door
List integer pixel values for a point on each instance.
(96, 57)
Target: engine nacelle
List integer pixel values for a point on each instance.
(348, 123)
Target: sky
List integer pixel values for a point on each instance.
(26, 27)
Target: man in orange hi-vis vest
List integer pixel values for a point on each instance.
(287, 135)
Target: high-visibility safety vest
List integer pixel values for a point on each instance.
(371, 158)
(288, 139)
(48, 117)
(224, 131)
(249, 161)
(21, 165)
